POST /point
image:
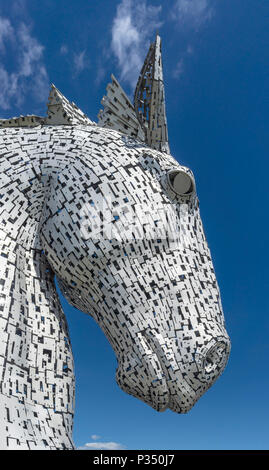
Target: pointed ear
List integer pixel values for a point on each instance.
(118, 112)
(149, 99)
(61, 111)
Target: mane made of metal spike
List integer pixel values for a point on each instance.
(115, 218)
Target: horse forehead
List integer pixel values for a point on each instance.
(135, 169)
(118, 149)
(133, 193)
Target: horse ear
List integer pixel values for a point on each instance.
(118, 112)
(61, 111)
(149, 99)
(146, 118)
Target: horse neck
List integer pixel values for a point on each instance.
(36, 364)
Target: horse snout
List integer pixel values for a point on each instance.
(196, 376)
(143, 378)
(156, 374)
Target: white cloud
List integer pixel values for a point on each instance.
(193, 12)
(63, 49)
(102, 446)
(189, 50)
(6, 31)
(18, 7)
(30, 74)
(179, 69)
(190, 14)
(80, 62)
(134, 24)
(40, 87)
(9, 88)
(31, 51)
(100, 73)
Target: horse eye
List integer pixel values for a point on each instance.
(180, 182)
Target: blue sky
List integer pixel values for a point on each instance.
(216, 77)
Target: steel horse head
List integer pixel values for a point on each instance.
(115, 217)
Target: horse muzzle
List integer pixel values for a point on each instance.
(156, 376)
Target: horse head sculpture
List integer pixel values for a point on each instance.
(115, 217)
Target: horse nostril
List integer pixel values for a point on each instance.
(209, 363)
(215, 358)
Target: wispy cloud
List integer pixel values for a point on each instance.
(63, 49)
(179, 69)
(18, 7)
(29, 73)
(104, 446)
(180, 65)
(189, 50)
(6, 31)
(31, 52)
(190, 15)
(80, 62)
(134, 24)
(101, 445)
(193, 12)
(100, 73)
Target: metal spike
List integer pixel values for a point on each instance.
(62, 111)
(149, 99)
